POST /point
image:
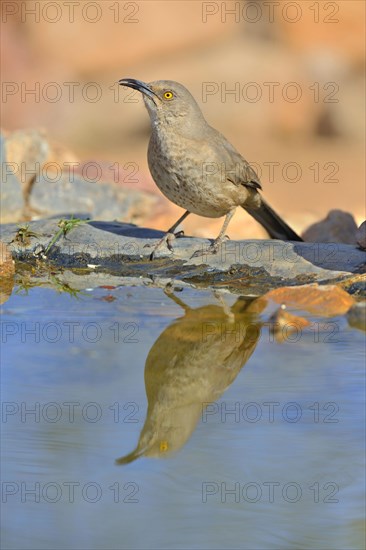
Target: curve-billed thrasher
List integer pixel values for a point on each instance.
(195, 166)
(191, 364)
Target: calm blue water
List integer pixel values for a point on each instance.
(275, 461)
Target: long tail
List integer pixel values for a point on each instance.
(275, 226)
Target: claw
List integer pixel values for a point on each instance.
(170, 237)
(167, 239)
(212, 249)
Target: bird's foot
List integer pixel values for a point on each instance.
(167, 240)
(212, 249)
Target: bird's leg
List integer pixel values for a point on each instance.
(170, 293)
(215, 245)
(227, 310)
(213, 248)
(170, 235)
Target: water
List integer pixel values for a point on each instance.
(276, 460)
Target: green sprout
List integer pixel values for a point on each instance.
(23, 235)
(65, 287)
(65, 227)
(25, 283)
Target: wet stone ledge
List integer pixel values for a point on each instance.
(123, 250)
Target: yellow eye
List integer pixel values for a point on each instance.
(163, 446)
(168, 95)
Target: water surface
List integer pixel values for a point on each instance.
(225, 438)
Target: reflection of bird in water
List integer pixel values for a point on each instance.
(190, 365)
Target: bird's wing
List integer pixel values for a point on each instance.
(237, 169)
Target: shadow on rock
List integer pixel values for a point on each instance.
(127, 229)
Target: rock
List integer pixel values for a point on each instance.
(33, 154)
(244, 267)
(28, 150)
(127, 175)
(356, 284)
(361, 236)
(357, 316)
(11, 196)
(337, 227)
(325, 301)
(51, 184)
(282, 324)
(7, 268)
(72, 194)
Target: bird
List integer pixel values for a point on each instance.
(190, 365)
(196, 167)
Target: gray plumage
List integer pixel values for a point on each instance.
(196, 167)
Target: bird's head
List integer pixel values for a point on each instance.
(166, 101)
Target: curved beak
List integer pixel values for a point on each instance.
(138, 85)
(130, 457)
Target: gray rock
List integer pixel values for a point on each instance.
(67, 193)
(248, 267)
(361, 236)
(29, 150)
(11, 195)
(51, 189)
(357, 316)
(337, 227)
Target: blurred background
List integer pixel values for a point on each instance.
(284, 81)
